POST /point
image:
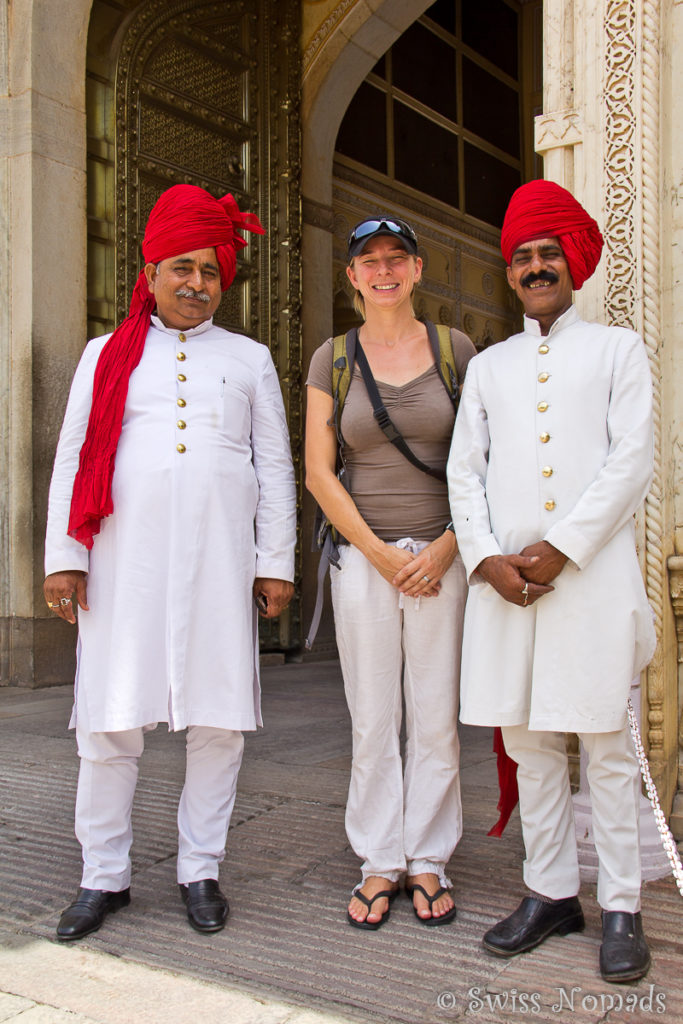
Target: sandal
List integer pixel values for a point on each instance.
(389, 894)
(431, 922)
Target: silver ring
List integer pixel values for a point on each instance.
(526, 598)
(525, 589)
(64, 601)
(51, 605)
(426, 579)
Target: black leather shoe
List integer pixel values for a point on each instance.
(88, 911)
(531, 923)
(624, 955)
(207, 907)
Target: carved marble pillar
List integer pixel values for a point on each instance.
(676, 591)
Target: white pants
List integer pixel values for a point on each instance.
(551, 866)
(106, 787)
(397, 819)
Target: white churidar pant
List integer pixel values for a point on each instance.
(398, 818)
(551, 866)
(106, 787)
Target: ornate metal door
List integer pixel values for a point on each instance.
(207, 94)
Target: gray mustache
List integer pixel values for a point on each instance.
(187, 293)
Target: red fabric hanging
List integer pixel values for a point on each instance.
(507, 783)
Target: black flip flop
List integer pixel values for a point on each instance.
(431, 922)
(372, 926)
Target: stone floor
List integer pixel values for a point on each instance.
(287, 953)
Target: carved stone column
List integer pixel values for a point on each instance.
(676, 590)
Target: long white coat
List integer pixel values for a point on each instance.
(567, 661)
(171, 635)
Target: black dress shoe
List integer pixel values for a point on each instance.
(624, 955)
(531, 923)
(88, 911)
(207, 907)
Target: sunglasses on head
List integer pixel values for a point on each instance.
(369, 227)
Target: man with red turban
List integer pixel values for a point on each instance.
(552, 454)
(172, 514)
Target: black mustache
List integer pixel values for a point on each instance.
(544, 275)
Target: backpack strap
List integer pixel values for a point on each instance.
(385, 421)
(442, 349)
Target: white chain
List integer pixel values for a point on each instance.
(668, 841)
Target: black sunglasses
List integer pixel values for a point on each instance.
(369, 227)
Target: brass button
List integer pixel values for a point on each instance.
(181, 424)
(182, 377)
(544, 438)
(180, 448)
(542, 377)
(543, 349)
(181, 337)
(542, 406)
(182, 403)
(180, 356)
(547, 471)
(550, 505)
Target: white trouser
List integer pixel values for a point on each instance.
(400, 820)
(551, 866)
(106, 786)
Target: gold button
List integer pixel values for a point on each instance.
(543, 349)
(182, 377)
(547, 471)
(544, 438)
(542, 377)
(180, 448)
(550, 505)
(180, 356)
(181, 424)
(182, 403)
(542, 406)
(181, 337)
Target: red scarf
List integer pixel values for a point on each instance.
(542, 209)
(185, 218)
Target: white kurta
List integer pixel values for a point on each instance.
(171, 635)
(554, 441)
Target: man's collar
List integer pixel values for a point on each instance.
(199, 329)
(570, 316)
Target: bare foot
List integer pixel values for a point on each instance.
(430, 883)
(371, 886)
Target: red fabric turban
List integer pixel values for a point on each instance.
(542, 209)
(183, 219)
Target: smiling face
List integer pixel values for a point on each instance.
(187, 288)
(384, 273)
(539, 276)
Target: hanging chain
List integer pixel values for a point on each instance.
(668, 841)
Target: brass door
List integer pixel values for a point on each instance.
(204, 94)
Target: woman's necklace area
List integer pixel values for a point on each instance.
(385, 343)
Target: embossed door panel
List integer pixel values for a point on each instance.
(207, 94)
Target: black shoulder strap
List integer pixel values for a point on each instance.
(384, 420)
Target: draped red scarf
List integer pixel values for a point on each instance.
(542, 209)
(185, 218)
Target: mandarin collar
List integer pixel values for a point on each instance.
(199, 329)
(569, 317)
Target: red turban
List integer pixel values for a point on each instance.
(542, 209)
(183, 219)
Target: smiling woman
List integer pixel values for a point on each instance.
(187, 288)
(398, 589)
